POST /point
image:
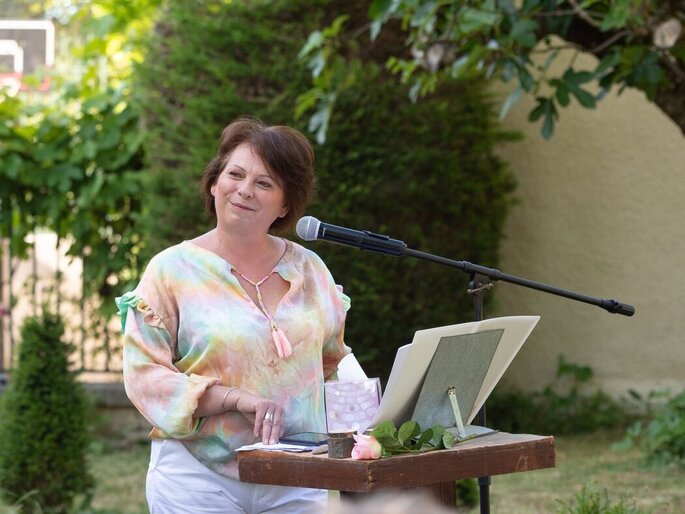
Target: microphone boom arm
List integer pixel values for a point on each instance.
(612, 306)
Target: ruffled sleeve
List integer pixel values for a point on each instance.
(345, 300)
(166, 397)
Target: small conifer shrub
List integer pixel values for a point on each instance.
(43, 423)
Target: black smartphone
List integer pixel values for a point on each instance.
(305, 438)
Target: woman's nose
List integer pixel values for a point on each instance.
(245, 190)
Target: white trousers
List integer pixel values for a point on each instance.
(177, 483)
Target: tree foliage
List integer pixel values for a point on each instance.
(77, 175)
(43, 424)
(70, 161)
(639, 44)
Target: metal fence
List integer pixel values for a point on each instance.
(49, 277)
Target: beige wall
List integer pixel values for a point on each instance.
(601, 212)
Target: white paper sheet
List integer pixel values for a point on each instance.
(278, 447)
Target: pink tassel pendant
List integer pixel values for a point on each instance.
(283, 346)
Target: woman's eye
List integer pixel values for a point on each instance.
(264, 184)
(234, 174)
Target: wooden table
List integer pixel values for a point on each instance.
(494, 454)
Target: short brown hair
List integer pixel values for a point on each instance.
(286, 153)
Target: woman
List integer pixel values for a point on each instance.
(229, 336)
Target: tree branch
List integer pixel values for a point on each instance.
(610, 41)
(672, 64)
(582, 13)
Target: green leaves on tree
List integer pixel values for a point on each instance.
(459, 40)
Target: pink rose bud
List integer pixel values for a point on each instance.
(366, 447)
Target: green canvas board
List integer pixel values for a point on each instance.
(461, 361)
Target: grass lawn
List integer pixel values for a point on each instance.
(581, 460)
(584, 460)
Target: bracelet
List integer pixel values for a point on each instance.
(223, 400)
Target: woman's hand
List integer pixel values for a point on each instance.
(269, 416)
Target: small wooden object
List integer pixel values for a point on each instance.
(340, 443)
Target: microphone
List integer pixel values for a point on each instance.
(310, 229)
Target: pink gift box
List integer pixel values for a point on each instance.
(351, 404)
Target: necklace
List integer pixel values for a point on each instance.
(283, 346)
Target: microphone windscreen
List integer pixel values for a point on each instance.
(308, 228)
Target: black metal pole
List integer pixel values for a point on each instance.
(478, 285)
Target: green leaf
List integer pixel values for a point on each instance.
(375, 29)
(524, 32)
(548, 126)
(618, 15)
(538, 111)
(334, 28)
(562, 94)
(424, 438)
(607, 63)
(578, 77)
(525, 79)
(380, 9)
(390, 443)
(514, 97)
(448, 440)
(585, 98)
(408, 431)
(545, 109)
(386, 427)
(424, 17)
(474, 20)
(12, 165)
(438, 432)
(315, 40)
(317, 64)
(306, 101)
(97, 103)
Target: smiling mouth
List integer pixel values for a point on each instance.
(241, 206)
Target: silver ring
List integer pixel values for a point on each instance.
(269, 417)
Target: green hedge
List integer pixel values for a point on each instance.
(207, 63)
(425, 173)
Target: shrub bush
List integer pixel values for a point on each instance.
(425, 173)
(662, 433)
(560, 408)
(43, 423)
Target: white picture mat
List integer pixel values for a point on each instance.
(412, 361)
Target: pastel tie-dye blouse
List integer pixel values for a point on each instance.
(189, 325)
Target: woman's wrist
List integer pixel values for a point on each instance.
(231, 403)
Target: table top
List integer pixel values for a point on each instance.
(493, 454)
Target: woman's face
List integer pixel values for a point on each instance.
(246, 194)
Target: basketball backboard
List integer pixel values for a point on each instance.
(26, 47)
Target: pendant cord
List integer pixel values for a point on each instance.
(283, 346)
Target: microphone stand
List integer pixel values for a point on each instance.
(480, 282)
